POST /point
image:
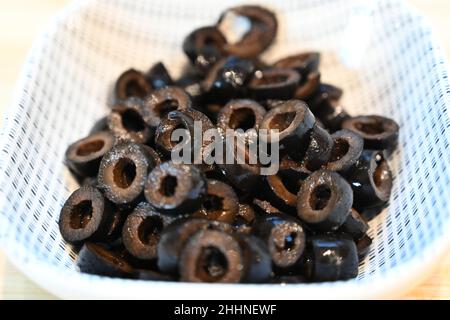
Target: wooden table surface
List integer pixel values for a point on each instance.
(21, 20)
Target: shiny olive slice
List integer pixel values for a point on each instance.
(130, 120)
(284, 237)
(227, 79)
(175, 188)
(371, 179)
(241, 114)
(86, 215)
(158, 76)
(274, 83)
(258, 262)
(326, 106)
(324, 200)
(142, 230)
(185, 119)
(305, 62)
(212, 256)
(96, 259)
(347, 148)
(331, 258)
(378, 132)
(165, 100)
(220, 202)
(132, 83)
(293, 120)
(123, 172)
(204, 47)
(84, 156)
(174, 237)
(319, 148)
(261, 34)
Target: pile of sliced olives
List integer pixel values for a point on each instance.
(139, 214)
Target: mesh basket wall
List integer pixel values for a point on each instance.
(380, 52)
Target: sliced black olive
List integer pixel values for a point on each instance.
(305, 63)
(130, 120)
(212, 256)
(84, 156)
(319, 148)
(363, 246)
(227, 79)
(324, 200)
(355, 225)
(261, 34)
(246, 177)
(327, 108)
(204, 47)
(379, 133)
(371, 179)
(96, 259)
(175, 188)
(347, 148)
(308, 86)
(278, 193)
(284, 237)
(132, 83)
(123, 172)
(273, 83)
(174, 237)
(241, 114)
(220, 202)
(165, 100)
(86, 215)
(331, 258)
(184, 119)
(293, 120)
(243, 221)
(142, 230)
(258, 262)
(158, 76)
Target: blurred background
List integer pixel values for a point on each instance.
(20, 23)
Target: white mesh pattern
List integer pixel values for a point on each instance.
(381, 53)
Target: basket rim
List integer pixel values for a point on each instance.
(67, 284)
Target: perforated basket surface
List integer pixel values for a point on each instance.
(382, 53)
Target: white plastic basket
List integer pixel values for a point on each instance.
(382, 54)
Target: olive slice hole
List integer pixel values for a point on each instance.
(381, 176)
(81, 214)
(319, 197)
(282, 121)
(90, 147)
(340, 149)
(149, 230)
(213, 203)
(168, 186)
(124, 173)
(243, 118)
(132, 121)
